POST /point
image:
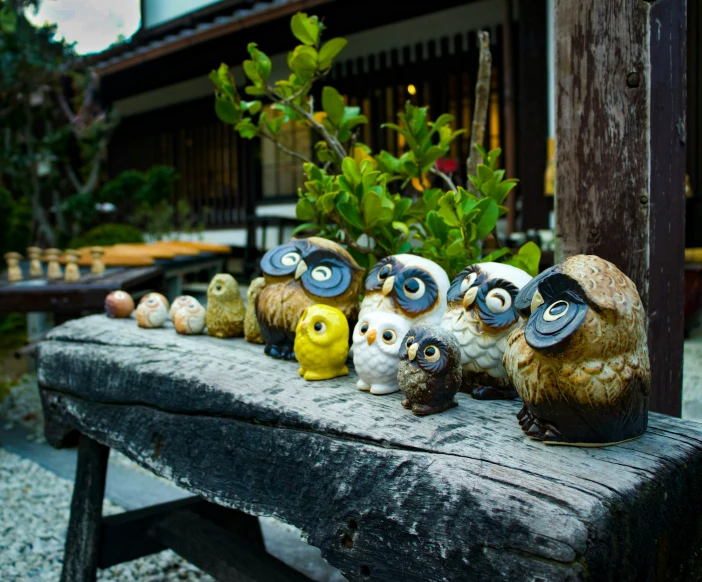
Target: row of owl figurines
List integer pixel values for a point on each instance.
(570, 342)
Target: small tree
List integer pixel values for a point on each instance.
(354, 195)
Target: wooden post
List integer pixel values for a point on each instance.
(620, 158)
(80, 559)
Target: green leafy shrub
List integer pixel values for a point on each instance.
(107, 235)
(353, 195)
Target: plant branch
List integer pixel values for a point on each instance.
(482, 101)
(446, 178)
(282, 148)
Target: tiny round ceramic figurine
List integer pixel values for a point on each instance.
(189, 318)
(35, 269)
(14, 271)
(97, 267)
(252, 331)
(53, 270)
(299, 274)
(177, 303)
(72, 271)
(481, 314)
(429, 373)
(408, 285)
(322, 343)
(377, 338)
(225, 307)
(119, 305)
(580, 360)
(152, 311)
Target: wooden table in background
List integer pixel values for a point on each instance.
(385, 495)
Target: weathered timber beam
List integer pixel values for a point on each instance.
(620, 158)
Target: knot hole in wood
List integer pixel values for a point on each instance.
(348, 533)
(156, 441)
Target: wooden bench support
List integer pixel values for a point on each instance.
(80, 561)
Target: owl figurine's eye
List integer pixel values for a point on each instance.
(432, 353)
(389, 336)
(414, 288)
(467, 283)
(384, 273)
(556, 310)
(409, 342)
(290, 259)
(498, 300)
(321, 274)
(364, 328)
(319, 327)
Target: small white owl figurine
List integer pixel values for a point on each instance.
(481, 314)
(189, 318)
(152, 311)
(178, 302)
(377, 338)
(408, 285)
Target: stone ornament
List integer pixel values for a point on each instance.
(14, 271)
(189, 318)
(152, 311)
(97, 267)
(119, 305)
(225, 307)
(429, 373)
(297, 275)
(252, 331)
(377, 338)
(53, 270)
(322, 343)
(408, 285)
(580, 360)
(35, 268)
(72, 271)
(481, 314)
(177, 303)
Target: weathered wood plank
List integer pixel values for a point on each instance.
(80, 560)
(620, 158)
(460, 495)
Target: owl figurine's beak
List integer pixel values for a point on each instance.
(536, 301)
(412, 351)
(370, 337)
(388, 285)
(301, 268)
(469, 297)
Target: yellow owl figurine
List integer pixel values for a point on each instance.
(225, 307)
(322, 343)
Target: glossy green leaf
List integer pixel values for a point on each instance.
(351, 214)
(252, 73)
(401, 206)
(329, 50)
(488, 217)
(530, 255)
(305, 226)
(261, 60)
(305, 29)
(371, 208)
(226, 111)
(333, 104)
(402, 227)
(304, 60)
(456, 248)
(351, 173)
(305, 210)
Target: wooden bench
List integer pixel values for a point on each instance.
(385, 495)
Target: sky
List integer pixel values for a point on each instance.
(93, 24)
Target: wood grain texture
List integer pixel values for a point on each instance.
(384, 494)
(620, 151)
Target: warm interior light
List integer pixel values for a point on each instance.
(411, 89)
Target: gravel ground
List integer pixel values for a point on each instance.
(34, 512)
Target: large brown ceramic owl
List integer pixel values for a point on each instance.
(481, 314)
(297, 275)
(580, 360)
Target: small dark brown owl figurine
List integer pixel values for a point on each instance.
(430, 369)
(580, 360)
(299, 274)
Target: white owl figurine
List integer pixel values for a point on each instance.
(152, 311)
(376, 342)
(189, 318)
(407, 285)
(179, 302)
(481, 314)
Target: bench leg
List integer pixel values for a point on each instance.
(80, 558)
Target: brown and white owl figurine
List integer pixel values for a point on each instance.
(408, 285)
(299, 274)
(580, 360)
(177, 303)
(189, 317)
(152, 311)
(481, 314)
(225, 307)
